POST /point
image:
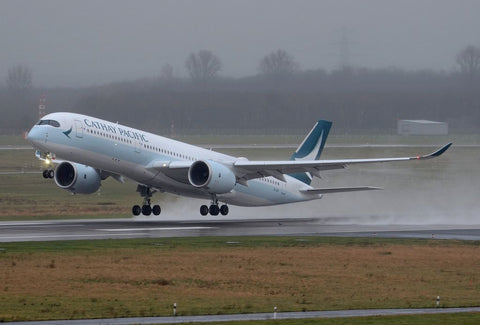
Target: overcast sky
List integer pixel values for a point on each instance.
(85, 42)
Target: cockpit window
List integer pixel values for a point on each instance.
(49, 122)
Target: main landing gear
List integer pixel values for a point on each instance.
(146, 209)
(214, 209)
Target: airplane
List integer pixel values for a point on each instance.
(87, 150)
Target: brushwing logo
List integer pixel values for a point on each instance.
(67, 133)
(313, 154)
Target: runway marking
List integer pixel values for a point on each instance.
(25, 223)
(2, 238)
(155, 229)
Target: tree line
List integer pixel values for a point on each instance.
(280, 96)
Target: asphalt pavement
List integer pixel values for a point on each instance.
(18, 231)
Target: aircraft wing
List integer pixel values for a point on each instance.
(246, 170)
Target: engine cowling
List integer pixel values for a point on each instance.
(77, 178)
(212, 176)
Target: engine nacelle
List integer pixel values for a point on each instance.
(212, 176)
(77, 178)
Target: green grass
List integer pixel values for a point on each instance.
(200, 243)
(18, 160)
(30, 196)
(333, 139)
(14, 140)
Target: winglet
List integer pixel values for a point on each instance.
(436, 153)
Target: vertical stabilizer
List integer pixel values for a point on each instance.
(311, 147)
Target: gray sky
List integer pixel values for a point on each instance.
(85, 42)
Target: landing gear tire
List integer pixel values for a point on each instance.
(136, 210)
(146, 210)
(214, 210)
(48, 173)
(204, 210)
(224, 210)
(156, 210)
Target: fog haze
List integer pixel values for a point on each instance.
(82, 43)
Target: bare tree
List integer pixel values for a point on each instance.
(203, 66)
(469, 61)
(278, 65)
(19, 78)
(167, 72)
(18, 111)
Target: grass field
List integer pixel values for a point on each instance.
(144, 277)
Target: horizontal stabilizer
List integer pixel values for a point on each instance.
(339, 190)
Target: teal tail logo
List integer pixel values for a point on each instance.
(311, 148)
(67, 133)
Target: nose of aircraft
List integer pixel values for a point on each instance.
(33, 135)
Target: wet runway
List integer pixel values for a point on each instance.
(14, 231)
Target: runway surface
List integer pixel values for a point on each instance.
(250, 317)
(14, 231)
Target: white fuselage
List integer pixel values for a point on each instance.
(121, 150)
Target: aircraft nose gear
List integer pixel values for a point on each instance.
(146, 209)
(48, 173)
(214, 209)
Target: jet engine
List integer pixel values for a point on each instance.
(77, 178)
(212, 176)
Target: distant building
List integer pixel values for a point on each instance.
(421, 127)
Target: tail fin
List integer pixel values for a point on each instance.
(311, 147)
